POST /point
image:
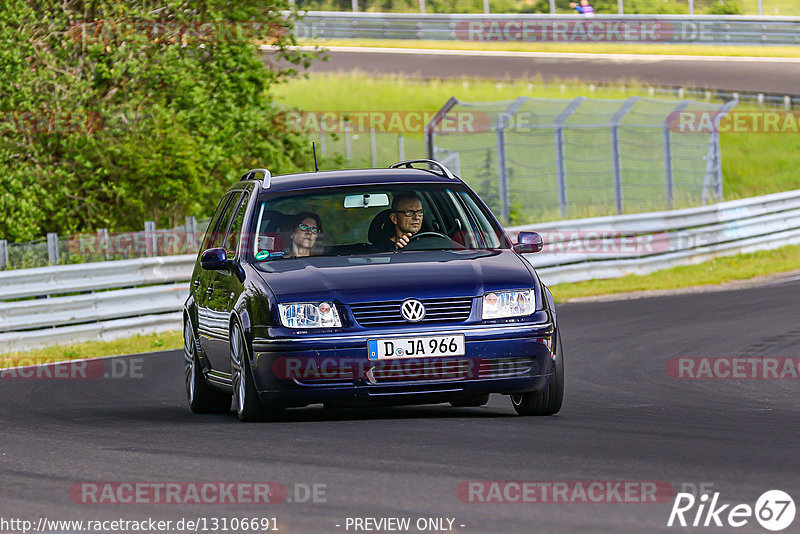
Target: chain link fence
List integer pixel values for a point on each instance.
(535, 159)
(103, 246)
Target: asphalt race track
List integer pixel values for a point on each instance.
(765, 75)
(624, 419)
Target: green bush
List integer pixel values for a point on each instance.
(110, 117)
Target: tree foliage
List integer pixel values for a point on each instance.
(112, 113)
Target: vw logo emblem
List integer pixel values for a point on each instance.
(412, 310)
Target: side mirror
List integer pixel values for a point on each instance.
(529, 242)
(214, 259)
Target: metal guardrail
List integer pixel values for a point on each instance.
(153, 289)
(641, 243)
(518, 27)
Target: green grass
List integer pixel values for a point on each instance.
(716, 271)
(572, 47)
(94, 349)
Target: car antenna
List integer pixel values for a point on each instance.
(314, 150)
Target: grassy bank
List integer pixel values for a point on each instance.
(94, 349)
(576, 48)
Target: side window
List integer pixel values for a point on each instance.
(232, 240)
(212, 226)
(218, 237)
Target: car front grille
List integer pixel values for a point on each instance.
(448, 310)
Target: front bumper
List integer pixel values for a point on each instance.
(505, 357)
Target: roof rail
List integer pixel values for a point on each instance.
(431, 163)
(251, 175)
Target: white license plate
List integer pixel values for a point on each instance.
(416, 347)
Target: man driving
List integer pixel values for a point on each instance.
(406, 216)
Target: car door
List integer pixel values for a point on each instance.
(213, 323)
(226, 287)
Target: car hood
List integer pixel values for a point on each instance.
(396, 276)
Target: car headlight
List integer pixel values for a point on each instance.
(499, 304)
(309, 315)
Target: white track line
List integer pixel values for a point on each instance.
(553, 55)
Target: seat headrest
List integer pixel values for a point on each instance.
(381, 227)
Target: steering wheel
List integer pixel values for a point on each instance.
(420, 235)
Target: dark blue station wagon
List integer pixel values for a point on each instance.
(364, 287)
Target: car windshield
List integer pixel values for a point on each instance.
(366, 220)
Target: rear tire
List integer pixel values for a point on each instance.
(549, 400)
(245, 396)
(201, 398)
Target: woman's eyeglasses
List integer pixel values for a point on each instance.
(307, 228)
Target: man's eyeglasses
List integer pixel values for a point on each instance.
(307, 228)
(411, 213)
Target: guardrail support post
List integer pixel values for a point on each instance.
(150, 238)
(52, 248)
(3, 254)
(617, 165)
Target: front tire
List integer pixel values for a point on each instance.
(245, 396)
(201, 398)
(549, 400)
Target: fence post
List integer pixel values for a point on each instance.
(620, 8)
(617, 166)
(102, 235)
(52, 248)
(669, 178)
(691, 7)
(322, 143)
(3, 254)
(347, 152)
(561, 170)
(430, 128)
(401, 149)
(502, 174)
(713, 178)
(373, 148)
(552, 7)
(150, 238)
(191, 232)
